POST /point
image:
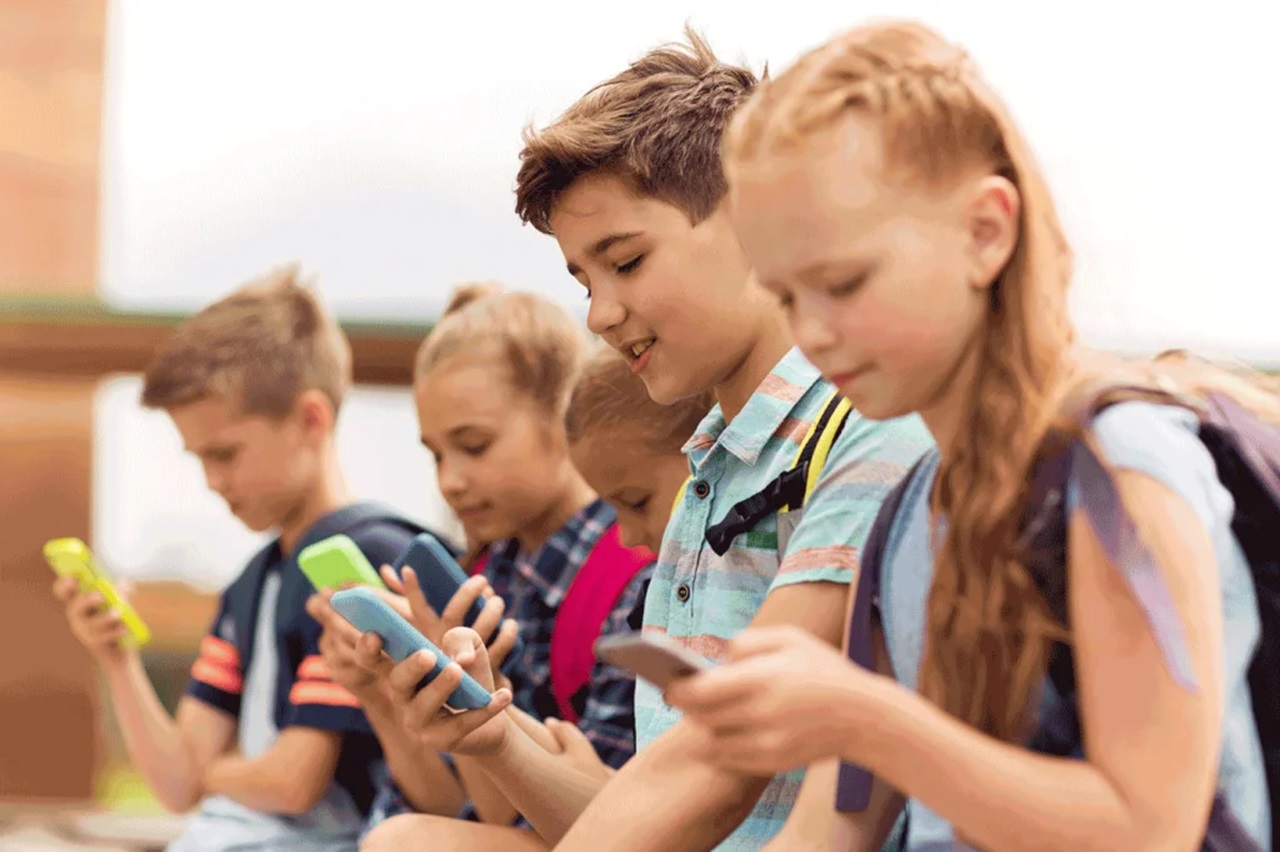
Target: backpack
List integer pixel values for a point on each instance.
(245, 591)
(587, 605)
(791, 488)
(1246, 452)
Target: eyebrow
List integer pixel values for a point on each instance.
(603, 245)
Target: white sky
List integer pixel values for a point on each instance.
(377, 143)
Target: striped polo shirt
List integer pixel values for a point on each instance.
(703, 600)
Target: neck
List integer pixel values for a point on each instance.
(575, 496)
(945, 413)
(745, 379)
(327, 494)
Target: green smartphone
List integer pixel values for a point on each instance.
(71, 557)
(337, 562)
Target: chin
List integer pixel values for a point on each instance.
(667, 390)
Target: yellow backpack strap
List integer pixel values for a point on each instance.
(817, 444)
(684, 486)
(825, 440)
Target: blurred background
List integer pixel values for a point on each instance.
(154, 155)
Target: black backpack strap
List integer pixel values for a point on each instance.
(853, 787)
(787, 490)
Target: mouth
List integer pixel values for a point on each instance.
(640, 353)
(472, 511)
(839, 379)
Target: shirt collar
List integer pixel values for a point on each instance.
(764, 413)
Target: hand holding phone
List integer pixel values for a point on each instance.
(71, 557)
(400, 639)
(336, 562)
(439, 576)
(654, 657)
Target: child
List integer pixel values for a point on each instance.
(628, 447)
(883, 193)
(272, 751)
(492, 382)
(629, 183)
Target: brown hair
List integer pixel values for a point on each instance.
(535, 339)
(657, 125)
(609, 396)
(262, 346)
(989, 632)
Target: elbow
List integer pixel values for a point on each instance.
(178, 801)
(297, 798)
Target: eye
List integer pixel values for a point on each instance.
(844, 288)
(474, 450)
(631, 265)
(785, 300)
(221, 456)
(639, 505)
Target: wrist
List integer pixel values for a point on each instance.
(871, 707)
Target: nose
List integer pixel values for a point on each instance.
(605, 311)
(451, 480)
(811, 327)
(215, 479)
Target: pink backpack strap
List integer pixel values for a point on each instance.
(586, 607)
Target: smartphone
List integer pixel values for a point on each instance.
(654, 657)
(71, 557)
(335, 562)
(371, 614)
(440, 577)
(439, 574)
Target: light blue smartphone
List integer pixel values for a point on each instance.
(369, 613)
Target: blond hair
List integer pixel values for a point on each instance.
(261, 346)
(537, 341)
(609, 396)
(657, 125)
(989, 632)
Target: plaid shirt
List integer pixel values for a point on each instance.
(533, 587)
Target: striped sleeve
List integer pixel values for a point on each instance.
(867, 460)
(217, 676)
(315, 701)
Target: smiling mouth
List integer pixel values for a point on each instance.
(638, 349)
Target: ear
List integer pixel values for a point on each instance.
(992, 219)
(315, 412)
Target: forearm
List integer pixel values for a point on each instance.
(423, 777)
(638, 810)
(256, 784)
(996, 795)
(551, 794)
(152, 738)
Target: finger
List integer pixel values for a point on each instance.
(490, 618)
(396, 601)
(763, 640)
(404, 677)
(65, 588)
(501, 647)
(318, 607)
(428, 703)
(460, 604)
(570, 739)
(425, 618)
(451, 728)
(710, 691)
(368, 655)
(392, 579)
(83, 606)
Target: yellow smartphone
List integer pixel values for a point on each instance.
(71, 557)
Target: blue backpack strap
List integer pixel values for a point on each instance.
(853, 787)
